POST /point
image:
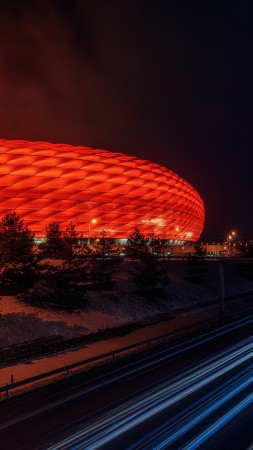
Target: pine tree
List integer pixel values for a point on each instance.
(137, 244)
(149, 275)
(63, 285)
(196, 265)
(18, 257)
(16, 239)
(157, 246)
(103, 263)
(53, 247)
(70, 242)
(246, 269)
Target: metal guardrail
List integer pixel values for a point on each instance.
(177, 333)
(181, 332)
(39, 348)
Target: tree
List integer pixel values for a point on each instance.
(149, 275)
(137, 244)
(53, 247)
(246, 250)
(157, 246)
(103, 263)
(196, 265)
(70, 242)
(62, 285)
(18, 257)
(246, 269)
(16, 239)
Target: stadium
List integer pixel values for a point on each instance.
(97, 190)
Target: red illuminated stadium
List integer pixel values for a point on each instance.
(97, 190)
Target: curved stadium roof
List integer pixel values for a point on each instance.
(46, 183)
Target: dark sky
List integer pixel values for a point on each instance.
(169, 81)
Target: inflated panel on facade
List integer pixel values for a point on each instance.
(46, 183)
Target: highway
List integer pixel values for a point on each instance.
(193, 394)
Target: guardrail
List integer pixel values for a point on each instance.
(50, 345)
(147, 343)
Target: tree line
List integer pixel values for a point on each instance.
(61, 269)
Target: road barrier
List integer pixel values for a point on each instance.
(39, 348)
(66, 370)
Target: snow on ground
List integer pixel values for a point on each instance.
(24, 370)
(21, 371)
(20, 322)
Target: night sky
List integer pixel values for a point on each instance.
(166, 81)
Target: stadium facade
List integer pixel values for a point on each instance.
(96, 190)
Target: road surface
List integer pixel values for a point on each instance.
(195, 394)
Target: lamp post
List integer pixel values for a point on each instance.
(229, 239)
(89, 223)
(177, 229)
(228, 243)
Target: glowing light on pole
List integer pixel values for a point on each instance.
(90, 221)
(177, 230)
(229, 239)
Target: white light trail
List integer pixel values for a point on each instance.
(131, 414)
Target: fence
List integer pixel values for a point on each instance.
(163, 338)
(65, 370)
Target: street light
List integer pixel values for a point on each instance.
(229, 239)
(90, 221)
(177, 230)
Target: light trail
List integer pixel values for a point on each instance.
(220, 423)
(197, 413)
(124, 418)
(133, 368)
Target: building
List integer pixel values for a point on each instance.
(97, 190)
